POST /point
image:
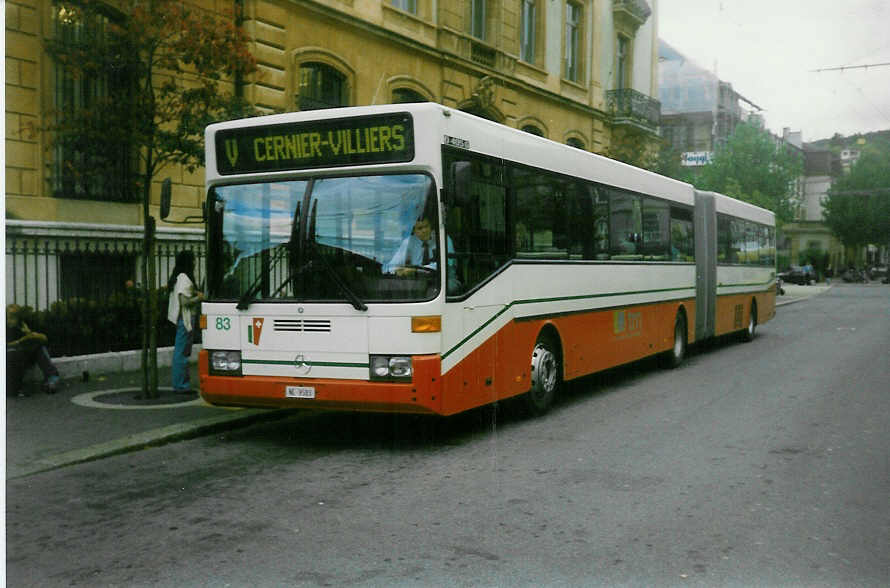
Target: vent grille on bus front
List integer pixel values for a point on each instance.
(303, 325)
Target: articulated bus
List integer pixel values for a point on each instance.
(541, 263)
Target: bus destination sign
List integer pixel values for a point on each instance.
(385, 138)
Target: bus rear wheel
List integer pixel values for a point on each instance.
(675, 356)
(748, 333)
(546, 376)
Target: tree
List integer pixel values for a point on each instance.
(753, 168)
(857, 208)
(149, 76)
(636, 149)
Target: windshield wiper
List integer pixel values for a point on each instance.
(352, 296)
(249, 295)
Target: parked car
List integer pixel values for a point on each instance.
(797, 275)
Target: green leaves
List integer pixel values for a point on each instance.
(752, 167)
(146, 77)
(857, 208)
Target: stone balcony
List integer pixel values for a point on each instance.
(634, 109)
(633, 12)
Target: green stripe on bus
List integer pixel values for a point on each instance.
(311, 363)
(556, 299)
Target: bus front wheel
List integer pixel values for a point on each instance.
(546, 375)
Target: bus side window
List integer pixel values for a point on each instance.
(477, 227)
(724, 239)
(682, 238)
(540, 214)
(625, 225)
(737, 245)
(656, 229)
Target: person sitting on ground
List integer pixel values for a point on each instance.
(24, 348)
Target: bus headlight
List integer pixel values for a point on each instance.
(225, 363)
(388, 367)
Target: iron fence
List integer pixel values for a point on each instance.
(89, 277)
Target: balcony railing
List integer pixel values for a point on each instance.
(634, 108)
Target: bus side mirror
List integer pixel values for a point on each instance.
(166, 191)
(461, 173)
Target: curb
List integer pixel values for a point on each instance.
(154, 438)
(111, 362)
(802, 298)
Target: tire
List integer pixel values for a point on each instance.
(750, 331)
(546, 377)
(677, 354)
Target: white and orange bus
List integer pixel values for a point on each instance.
(541, 263)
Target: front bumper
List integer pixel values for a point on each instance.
(421, 395)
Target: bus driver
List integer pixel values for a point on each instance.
(417, 250)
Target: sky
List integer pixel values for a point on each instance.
(767, 50)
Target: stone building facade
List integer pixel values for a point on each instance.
(580, 72)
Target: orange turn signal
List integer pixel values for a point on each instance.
(426, 324)
(202, 322)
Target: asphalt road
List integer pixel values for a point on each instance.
(758, 464)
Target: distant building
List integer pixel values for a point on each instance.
(848, 157)
(808, 232)
(699, 112)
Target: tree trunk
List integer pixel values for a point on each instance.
(150, 297)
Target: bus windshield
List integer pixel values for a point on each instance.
(337, 239)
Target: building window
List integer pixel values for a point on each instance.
(477, 18)
(573, 42)
(406, 95)
(321, 86)
(667, 135)
(88, 162)
(527, 32)
(575, 142)
(533, 130)
(622, 78)
(406, 5)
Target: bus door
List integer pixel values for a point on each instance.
(705, 265)
(475, 222)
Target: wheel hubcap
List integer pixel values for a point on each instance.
(543, 370)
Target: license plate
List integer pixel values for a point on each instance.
(299, 392)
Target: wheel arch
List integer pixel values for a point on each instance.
(550, 332)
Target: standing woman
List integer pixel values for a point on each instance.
(184, 301)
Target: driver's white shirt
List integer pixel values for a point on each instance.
(410, 253)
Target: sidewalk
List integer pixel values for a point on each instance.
(797, 293)
(90, 420)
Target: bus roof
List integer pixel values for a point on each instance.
(442, 124)
(738, 208)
